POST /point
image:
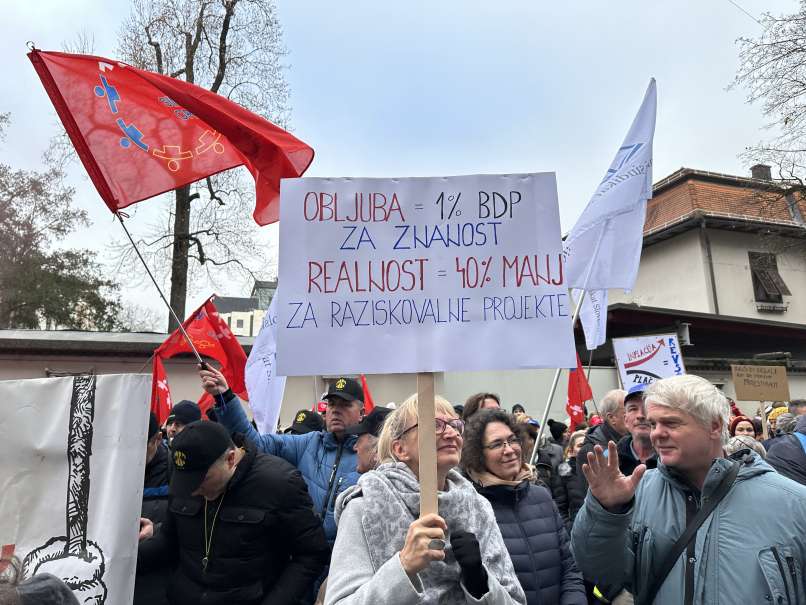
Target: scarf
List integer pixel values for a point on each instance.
(486, 478)
(391, 498)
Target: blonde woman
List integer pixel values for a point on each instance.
(384, 553)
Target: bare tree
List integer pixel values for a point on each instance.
(772, 70)
(233, 48)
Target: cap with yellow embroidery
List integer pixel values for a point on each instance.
(345, 388)
(306, 421)
(193, 451)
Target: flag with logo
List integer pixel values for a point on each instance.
(579, 391)
(593, 316)
(212, 338)
(140, 133)
(614, 217)
(265, 387)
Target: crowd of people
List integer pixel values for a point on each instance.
(668, 494)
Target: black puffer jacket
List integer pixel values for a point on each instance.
(149, 588)
(537, 543)
(574, 490)
(268, 546)
(787, 456)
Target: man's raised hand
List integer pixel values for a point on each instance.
(607, 483)
(213, 381)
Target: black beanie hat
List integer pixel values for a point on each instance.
(557, 429)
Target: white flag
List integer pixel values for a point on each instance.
(265, 387)
(616, 212)
(593, 316)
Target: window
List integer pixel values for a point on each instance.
(768, 286)
(239, 323)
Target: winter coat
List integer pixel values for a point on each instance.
(150, 588)
(548, 474)
(537, 542)
(328, 466)
(751, 549)
(574, 488)
(787, 454)
(267, 545)
(627, 462)
(373, 519)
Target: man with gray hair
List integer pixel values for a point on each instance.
(614, 427)
(689, 531)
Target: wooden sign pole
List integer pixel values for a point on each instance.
(427, 443)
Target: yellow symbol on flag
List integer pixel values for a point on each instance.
(180, 459)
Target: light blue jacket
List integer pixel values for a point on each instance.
(323, 462)
(751, 549)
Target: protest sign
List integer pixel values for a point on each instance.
(265, 387)
(760, 383)
(645, 359)
(73, 452)
(422, 275)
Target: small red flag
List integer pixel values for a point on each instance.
(161, 403)
(212, 338)
(579, 391)
(369, 404)
(140, 134)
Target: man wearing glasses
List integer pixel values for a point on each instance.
(326, 459)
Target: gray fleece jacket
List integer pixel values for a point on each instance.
(373, 518)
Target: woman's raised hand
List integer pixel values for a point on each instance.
(416, 554)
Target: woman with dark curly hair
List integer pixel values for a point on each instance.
(534, 532)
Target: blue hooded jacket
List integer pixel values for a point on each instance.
(328, 466)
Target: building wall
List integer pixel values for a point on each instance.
(672, 275)
(250, 322)
(734, 283)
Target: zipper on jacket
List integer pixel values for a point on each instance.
(326, 503)
(777, 556)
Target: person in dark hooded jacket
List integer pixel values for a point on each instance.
(149, 589)
(787, 455)
(533, 531)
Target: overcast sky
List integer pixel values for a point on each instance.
(419, 88)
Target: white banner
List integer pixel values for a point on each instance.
(422, 275)
(71, 480)
(614, 217)
(265, 387)
(646, 359)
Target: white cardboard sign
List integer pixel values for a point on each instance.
(422, 275)
(647, 359)
(71, 479)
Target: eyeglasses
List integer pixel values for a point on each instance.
(440, 424)
(513, 441)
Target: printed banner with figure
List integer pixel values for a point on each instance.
(71, 480)
(645, 359)
(422, 275)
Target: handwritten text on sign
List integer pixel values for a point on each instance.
(422, 274)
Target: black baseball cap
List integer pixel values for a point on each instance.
(372, 423)
(346, 388)
(193, 451)
(185, 411)
(306, 421)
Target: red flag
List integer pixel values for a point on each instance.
(212, 338)
(579, 391)
(161, 403)
(140, 134)
(369, 404)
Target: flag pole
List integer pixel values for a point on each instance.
(557, 373)
(588, 377)
(156, 285)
